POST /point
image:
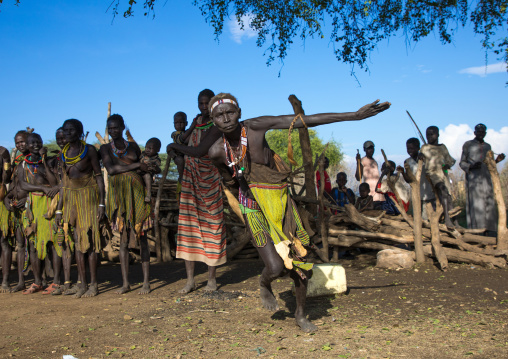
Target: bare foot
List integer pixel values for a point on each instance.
(211, 286)
(145, 289)
(72, 290)
(80, 292)
(123, 290)
(189, 287)
(19, 287)
(268, 299)
(305, 324)
(92, 291)
(5, 288)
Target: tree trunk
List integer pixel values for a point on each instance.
(158, 242)
(502, 232)
(457, 255)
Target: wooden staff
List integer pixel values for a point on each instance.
(158, 240)
(359, 164)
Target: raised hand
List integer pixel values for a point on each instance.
(372, 109)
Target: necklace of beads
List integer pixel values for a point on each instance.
(19, 159)
(73, 160)
(232, 160)
(205, 126)
(35, 164)
(119, 153)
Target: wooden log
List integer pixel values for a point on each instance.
(457, 255)
(238, 244)
(376, 246)
(348, 232)
(315, 201)
(502, 231)
(345, 241)
(310, 186)
(165, 234)
(414, 182)
(436, 237)
(368, 223)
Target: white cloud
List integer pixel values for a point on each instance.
(237, 33)
(485, 70)
(454, 136)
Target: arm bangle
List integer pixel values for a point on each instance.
(58, 212)
(102, 205)
(7, 166)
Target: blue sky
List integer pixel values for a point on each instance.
(63, 59)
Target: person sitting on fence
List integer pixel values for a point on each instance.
(365, 202)
(150, 157)
(384, 188)
(342, 195)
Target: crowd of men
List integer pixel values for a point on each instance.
(58, 205)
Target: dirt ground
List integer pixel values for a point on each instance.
(417, 313)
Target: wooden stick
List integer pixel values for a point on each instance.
(436, 237)
(310, 184)
(323, 224)
(348, 232)
(502, 232)
(158, 240)
(358, 163)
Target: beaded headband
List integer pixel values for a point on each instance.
(224, 100)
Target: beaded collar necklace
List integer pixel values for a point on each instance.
(73, 160)
(35, 164)
(119, 153)
(232, 160)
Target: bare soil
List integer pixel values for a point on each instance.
(417, 313)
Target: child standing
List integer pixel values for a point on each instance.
(341, 194)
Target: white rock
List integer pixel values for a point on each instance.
(394, 259)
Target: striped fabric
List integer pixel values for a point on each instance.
(126, 202)
(201, 233)
(80, 211)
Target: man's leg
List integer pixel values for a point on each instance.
(81, 286)
(57, 266)
(145, 265)
(6, 263)
(274, 268)
(36, 269)
(212, 281)
(301, 296)
(20, 241)
(124, 262)
(190, 285)
(67, 263)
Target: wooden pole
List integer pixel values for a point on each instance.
(414, 182)
(322, 216)
(436, 236)
(310, 184)
(158, 240)
(502, 232)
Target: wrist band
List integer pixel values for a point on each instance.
(58, 212)
(102, 205)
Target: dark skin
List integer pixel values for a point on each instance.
(151, 149)
(61, 141)
(341, 184)
(369, 152)
(180, 122)
(88, 165)
(441, 190)
(207, 136)
(412, 150)
(15, 201)
(226, 119)
(480, 134)
(114, 165)
(6, 258)
(42, 181)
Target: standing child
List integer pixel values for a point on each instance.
(437, 162)
(181, 137)
(151, 158)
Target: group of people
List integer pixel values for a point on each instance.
(375, 192)
(58, 204)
